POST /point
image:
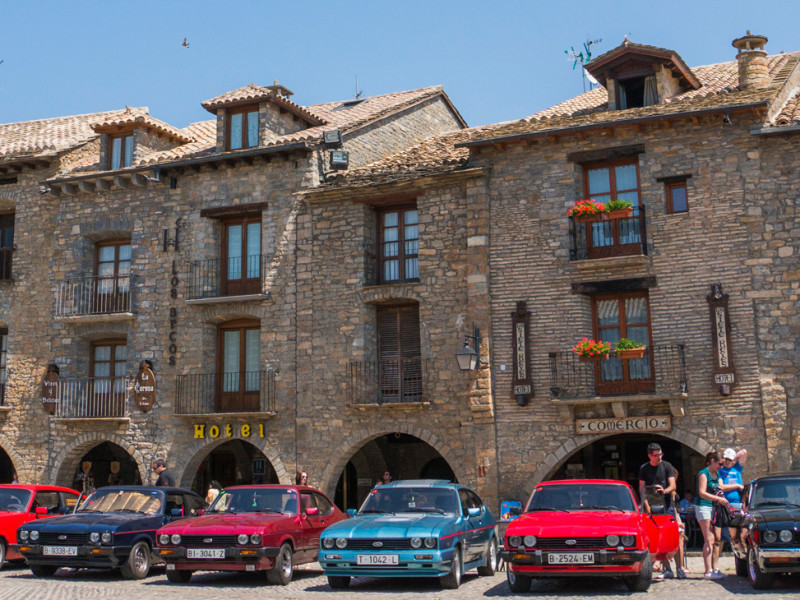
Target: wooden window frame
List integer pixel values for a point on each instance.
(400, 371)
(243, 110)
(119, 296)
(401, 256)
(108, 402)
(244, 285)
(625, 385)
(670, 186)
(123, 156)
(7, 221)
(241, 400)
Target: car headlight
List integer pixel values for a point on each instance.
(34, 535)
(328, 542)
(612, 540)
(255, 539)
(530, 541)
(163, 539)
(175, 539)
(628, 540)
(769, 536)
(514, 541)
(430, 542)
(23, 535)
(242, 538)
(785, 535)
(107, 537)
(341, 543)
(416, 542)
(94, 537)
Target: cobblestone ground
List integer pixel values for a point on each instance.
(17, 583)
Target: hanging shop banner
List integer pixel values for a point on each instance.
(144, 388)
(723, 371)
(50, 391)
(522, 385)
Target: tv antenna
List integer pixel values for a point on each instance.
(358, 93)
(583, 56)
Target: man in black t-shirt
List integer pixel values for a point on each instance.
(660, 476)
(165, 478)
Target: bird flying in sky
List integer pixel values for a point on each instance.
(185, 44)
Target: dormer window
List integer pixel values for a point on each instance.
(120, 153)
(242, 127)
(636, 92)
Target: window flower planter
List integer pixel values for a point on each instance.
(595, 358)
(623, 213)
(592, 350)
(631, 353)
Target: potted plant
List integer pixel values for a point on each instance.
(587, 211)
(618, 209)
(626, 348)
(588, 349)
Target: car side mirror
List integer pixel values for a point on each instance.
(351, 512)
(176, 512)
(312, 511)
(41, 510)
(515, 510)
(200, 512)
(474, 512)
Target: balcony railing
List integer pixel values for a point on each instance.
(92, 398)
(2, 394)
(234, 276)
(611, 238)
(211, 393)
(5, 263)
(85, 296)
(661, 372)
(385, 381)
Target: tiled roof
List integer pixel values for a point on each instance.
(138, 117)
(47, 137)
(252, 93)
(790, 115)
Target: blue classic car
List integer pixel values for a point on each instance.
(413, 528)
(115, 527)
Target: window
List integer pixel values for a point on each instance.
(108, 381)
(635, 92)
(48, 500)
(613, 181)
(241, 256)
(623, 316)
(6, 245)
(239, 358)
(677, 198)
(323, 504)
(400, 364)
(398, 244)
(242, 128)
(112, 270)
(120, 151)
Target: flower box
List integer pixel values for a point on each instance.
(590, 350)
(631, 353)
(595, 218)
(623, 213)
(596, 357)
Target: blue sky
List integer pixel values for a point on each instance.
(497, 59)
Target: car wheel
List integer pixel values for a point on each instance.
(758, 579)
(490, 567)
(338, 582)
(517, 583)
(2, 553)
(138, 564)
(43, 570)
(452, 580)
(741, 566)
(282, 571)
(641, 581)
(179, 576)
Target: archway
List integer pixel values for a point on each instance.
(104, 464)
(233, 462)
(7, 471)
(404, 456)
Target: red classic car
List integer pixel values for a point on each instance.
(250, 528)
(22, 503)
(586, 527)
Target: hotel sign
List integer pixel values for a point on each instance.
(629, 424)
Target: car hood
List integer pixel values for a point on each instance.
(394, 526)
(574, 523)
(227, 524)
(777, 517)
(78, 522)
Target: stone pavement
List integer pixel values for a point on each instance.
(17, 583)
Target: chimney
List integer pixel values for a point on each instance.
(752, 59)
(280, 90)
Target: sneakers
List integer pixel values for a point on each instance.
(666, 574)
(719, 573)
(680, 573)
(713, 575)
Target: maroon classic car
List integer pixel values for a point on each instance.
(590, 528)
(267, 528)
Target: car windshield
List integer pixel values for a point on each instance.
(281, 501)
(443, 501)
(581, 496)
(147, 502)
(776, 492)
(14, 500)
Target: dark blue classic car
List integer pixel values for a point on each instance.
(422, 528)
(115, 527)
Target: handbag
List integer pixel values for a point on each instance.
(722, 516)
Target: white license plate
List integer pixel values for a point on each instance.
(571, 558)
(205, 553)
(60, 551)
(377, 559)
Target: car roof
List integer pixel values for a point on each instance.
(405, 483)
(148, 488)
(37, 487)
(583, 482)
(781, 475)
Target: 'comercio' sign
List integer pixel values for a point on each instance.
(657, 423)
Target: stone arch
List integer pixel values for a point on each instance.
(351, 445)
(16, 458)
(216, 316)
(553, 460)
(389, 294)
(108, 231)
(200, 448)
(63, 465)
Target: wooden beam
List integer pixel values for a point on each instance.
(122, 182)
(86, 186)
(55, 190)
(103, 185)
(69, 189)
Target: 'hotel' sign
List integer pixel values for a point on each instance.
(656, 423)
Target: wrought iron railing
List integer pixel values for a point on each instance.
(609, 238)
(211, 393)
(384, 381)
(94, 296)
(234, 276)
(2, 394)
(92, 397)
(374, 274)
(5, 263)
(662, 371)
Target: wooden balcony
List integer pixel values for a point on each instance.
(609, 238)
(92, 398)
(220, 280)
